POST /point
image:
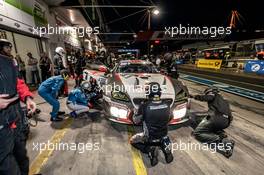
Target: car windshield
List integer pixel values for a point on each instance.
(137, 68)
(97, 62)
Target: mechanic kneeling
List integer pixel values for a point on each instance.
(78, 99)
(218, 117)
(155, 115)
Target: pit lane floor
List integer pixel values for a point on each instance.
(109, 153)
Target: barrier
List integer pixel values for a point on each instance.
(255, 66)
(206, 63)
(179, 61)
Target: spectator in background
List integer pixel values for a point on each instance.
(60, 63)
(162, 62)
(235, 65)
(33, 68)
(79, 68)
(45, 66)
(71, 62)
(59, 60)
(21, 67)
(158, 61)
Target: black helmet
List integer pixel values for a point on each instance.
(212, 89)
(4, 42)
(153, 90)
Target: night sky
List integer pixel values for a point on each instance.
(193, 12)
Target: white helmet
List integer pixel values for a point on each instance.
(60, 51)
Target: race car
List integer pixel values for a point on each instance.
(124, 91)
(97, 70)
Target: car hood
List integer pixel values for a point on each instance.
(134, 85)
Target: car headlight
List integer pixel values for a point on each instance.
(118, 112)
(180, 111)
(180, 96)
(120, 96)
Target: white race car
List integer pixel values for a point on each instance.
(124, 90)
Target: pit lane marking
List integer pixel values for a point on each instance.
(138, 163)
(44, 155)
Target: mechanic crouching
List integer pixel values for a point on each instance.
(78, 99)
(95, 90)
(49, 91)
(155, 115)
(219, 116)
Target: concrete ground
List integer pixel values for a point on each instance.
(107, 151)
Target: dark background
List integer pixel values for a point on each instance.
(174, 12)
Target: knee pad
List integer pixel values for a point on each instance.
(166, 143)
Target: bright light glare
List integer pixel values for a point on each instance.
(179, 113)
(155, 11)
(114, 111)
(71, 13)
(118, 112)
(122, 113)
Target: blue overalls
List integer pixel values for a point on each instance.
(49, 90)
(76, 96)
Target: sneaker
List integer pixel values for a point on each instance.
(153, 156)
(166, 149)
(221, 134)
(61, 113)
(229, 147)
(56, 119)
(73, 114)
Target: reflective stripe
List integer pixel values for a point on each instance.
(1, 127)
(226, 116)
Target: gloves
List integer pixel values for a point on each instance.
(137, 119)
(197, 97)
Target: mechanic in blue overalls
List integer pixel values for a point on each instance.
(49, 90)
(78, 99)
